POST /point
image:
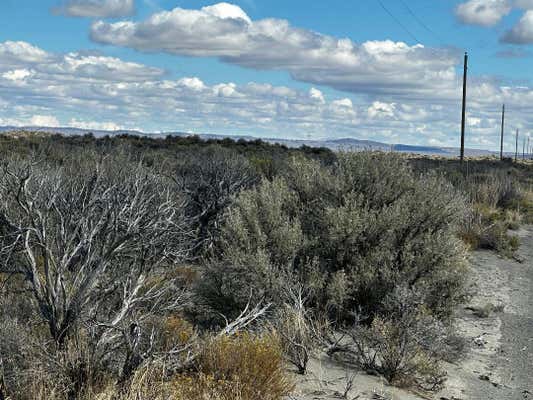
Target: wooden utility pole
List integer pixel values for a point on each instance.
(463, 119)
(503, 128)
(516, 148)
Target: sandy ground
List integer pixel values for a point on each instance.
(498, 363)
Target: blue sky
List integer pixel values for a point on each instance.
(384, 70)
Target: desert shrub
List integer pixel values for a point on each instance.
(261, 240)
(89, 277)
(209, 178)
(403, 345)
(350, 233)
(488, 183)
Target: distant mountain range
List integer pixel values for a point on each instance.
(334, 144)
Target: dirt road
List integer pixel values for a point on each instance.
(500, 363)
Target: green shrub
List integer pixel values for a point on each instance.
(350, 233)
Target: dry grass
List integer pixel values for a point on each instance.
(501, 194)
(525, 206)
(245, 367)
(487, 228)
(252, 366)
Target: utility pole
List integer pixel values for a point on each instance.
(516, 148)
(503, 127)
(463, 119)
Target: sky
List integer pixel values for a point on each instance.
(386, 70)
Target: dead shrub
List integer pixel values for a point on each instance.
(404, 344)
(299, 331)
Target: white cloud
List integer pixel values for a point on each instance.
(225, 31)
(61, 90)
(317, 95)
(96, 66)
(379, 110)
(226, 90)
(490, 12)
(17, 75)
(192, 83)
(30, 120)
(522, 32)
(21, 52)
(483, 12)
(227, 11)
(347, 103)
(43, 120)
(97, 126)
(16, 58)
(97, 8)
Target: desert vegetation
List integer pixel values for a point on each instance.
(136, 268)
(500, 196)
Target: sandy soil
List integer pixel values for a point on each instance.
(498, 363)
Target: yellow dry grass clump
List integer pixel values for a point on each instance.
(245, 367)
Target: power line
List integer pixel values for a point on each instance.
(420, 21)
(398, 22)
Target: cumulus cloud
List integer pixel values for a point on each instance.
(97, 126)
(483, 12)
(96, 66)
(31, 121)
(18, 60)
(490, 12)
(225, 31)
(317, 95)
(17, 75)
(380, 110)
(69, 90)
(97, 8)
(22, 52)
(44, 120)
(522, 32)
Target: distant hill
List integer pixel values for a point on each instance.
(333, 144)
